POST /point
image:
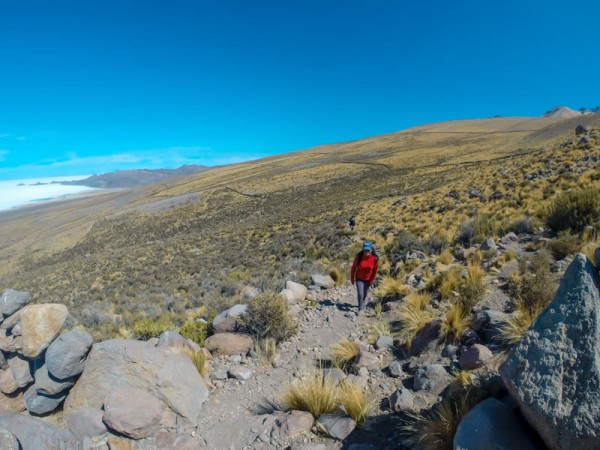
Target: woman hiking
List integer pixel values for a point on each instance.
(364, 271)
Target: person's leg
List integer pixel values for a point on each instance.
(361, 288)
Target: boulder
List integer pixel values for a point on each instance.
(553, 372)
(65, 356)
(474, 356)
(169, 376)
(292, 423)
(176, 342)
(33, 433)
(493, 425)
(12, 300)
(21, 370)
(46, 384)
(8, 384)
(427, 338)
(40, 324)
(366, 359)
(298, 289)
(402, 400)
(132, 411)
(12, 404)
(240, 373)
(288, 294)
(227, 321)
(488, 324)
(8, 441)
(86, 422)
(229, 344)
(489, 244)
(40, 404)
(322, 281)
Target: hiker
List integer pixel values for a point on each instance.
(352, 223)
(364, 271)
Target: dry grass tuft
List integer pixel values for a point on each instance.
(391, 288)
(518, 324)
(199, 360)
(412, 321)
(338, 276)
(315, 393)
(455, 322)
(266, 349)
(418, 300)
(357, 402)
(343, 352)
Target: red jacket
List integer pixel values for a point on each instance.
(366, 269)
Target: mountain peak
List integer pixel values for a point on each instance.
(562, 112)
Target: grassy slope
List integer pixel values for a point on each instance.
(200, 239)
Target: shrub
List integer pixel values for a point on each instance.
(148, 327)
(343, 352)
(477, 230)
(195, 330)
(563, 246)
(537, 285)
(445, 257)
(574, 210)
(267, 316)
(315, 393)
(357, 403)
(522, 226)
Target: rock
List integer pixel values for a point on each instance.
(3, 362)
(12, 404)
(298, 289)
(581, 129)
(432, 378)
(46, 384)
(169, 376)
(492, 425)
(35, 434)
(427, 338)
(292, 423)
(288, 294)
(248, 293)
(40, 324)
(11, 322)
(384, 342)
(488, 323)
(229, 344)
(309, 446)
(8, 384)
(366, 359)
(322, 281)
(218, 374)
(176, 342)
(334, 374)
(489, 244)
(240, 373)
(40, 404)
(65, 356)
(227, 321)
(338, 426)
(449, 351)
(395, 369)
(402, 400)
(132, 412)
(553, 372)
(8, 441)
(86, 422)
(509, 237)
(474, 357)
(21, 370)
(7, 344)
(12, 300)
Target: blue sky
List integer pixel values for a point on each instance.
(100, 85)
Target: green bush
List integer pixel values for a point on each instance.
(574, 210)
(268, 317)
(565, 245)
(148, 327)
(195, 330)
(536, 287)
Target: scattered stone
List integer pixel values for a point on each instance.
(384, 342)
(338, 426)
(474, 356)
(432, 378)
(489, 244)
(395, 369)
(298, 289)
(288, 295)
(229, 343)
(554, 370)
(402, 400)
(427, 338)
(322, 281)
(218, 375)
(240, 373)
(366, 359)
(13, 300)
(292, 423)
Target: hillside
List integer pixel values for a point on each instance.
(116, 257)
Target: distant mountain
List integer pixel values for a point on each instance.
(134, 178)
(562, 112)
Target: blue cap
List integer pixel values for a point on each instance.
(367, 246)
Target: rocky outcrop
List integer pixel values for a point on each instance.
(226, 322)
(40, 324)
(553, 372)
(65, 357)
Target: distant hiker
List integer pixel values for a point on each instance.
(352, 223)
(364, 271)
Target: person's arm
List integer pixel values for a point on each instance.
(374, 274)
(353, 270)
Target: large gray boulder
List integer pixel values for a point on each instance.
(65, 356)
(40, 404)
(169, 376)
(492, 425)
(86, 422)
(40, 324)
(553, 372)
(12, 300)
(227, 321)
(21, 370)
(8, 441)
(46, 384)
(35, 434)
(132, 412)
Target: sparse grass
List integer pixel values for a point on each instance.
(462, 378)
(445, 257)
(199, 360)
(338, 276)
(343, 353)
(314, 393)
(266, 349)
(357, 403)
(473, 287)
(517, 325)
(451, 280)
(148, 328)
(195, 330)
(378, 309)
(574, 210)
(564, 245)
(391, 288)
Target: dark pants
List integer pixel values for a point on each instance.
(362, 287)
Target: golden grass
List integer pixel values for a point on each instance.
(462, 378)
(338, 276)
(454, 323)
(266, 349)
(391, 288)
(517, 325)
(418, 300)
(445, 257)
(343, 352)
(199, 359)
(451, 282)
(357, 403)
(412, 320)
(314, 393)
